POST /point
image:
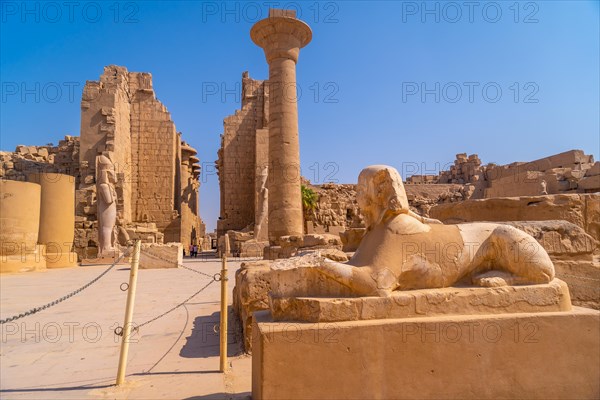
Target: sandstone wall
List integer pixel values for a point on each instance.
(337, 209)
(157, 187)
(154, 144)
(237, 157)
(25, 160)
(582, 210)
(572, 171)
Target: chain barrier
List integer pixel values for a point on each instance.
(60, 300)
(119, 330)
(214, 278)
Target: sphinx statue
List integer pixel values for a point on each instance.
(402, 250)
(106, 205)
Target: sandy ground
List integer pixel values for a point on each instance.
(69, 351)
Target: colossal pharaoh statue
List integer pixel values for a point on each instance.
(106, 205)
(402, 250)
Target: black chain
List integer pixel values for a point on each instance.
(55, 302)
(177, 264)
(174, 308)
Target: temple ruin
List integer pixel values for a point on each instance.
(242, 156)
(156, 171)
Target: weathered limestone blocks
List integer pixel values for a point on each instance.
(512, 356)
(156, 173)
(561, 239)
(25, 160)
(351, 238)
(155, 256)
(288, 246)
(255, 280)
(250, 294)
(554, 174)
(19, 227)
(57, 218)
(336, 208)
(551, 297)
(580, 209)
(241, 162)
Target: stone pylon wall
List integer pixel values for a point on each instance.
(105, 128)
(154, 155)
(237, 163)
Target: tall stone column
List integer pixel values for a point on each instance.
(281, 36)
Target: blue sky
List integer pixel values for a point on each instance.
(408, 83)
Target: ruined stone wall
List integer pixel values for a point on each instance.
(105, 128)
(193, 232)
(569, 172)
(157, 191)
(154, 154)
(62, 159)
(237, 157)
(337, 209)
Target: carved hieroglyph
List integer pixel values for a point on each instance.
(107, 205)
(402, 250)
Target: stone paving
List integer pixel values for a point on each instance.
(69, 351)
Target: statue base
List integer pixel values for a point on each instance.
(550, 297)
(509, 355)
(108, 258)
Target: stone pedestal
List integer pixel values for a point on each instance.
(550, 297)
(282, 36)
(513, 355)
(159, 256)
(108, 258)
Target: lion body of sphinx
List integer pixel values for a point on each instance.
(405, 254)
(443, 255)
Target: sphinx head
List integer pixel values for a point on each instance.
(380, 194)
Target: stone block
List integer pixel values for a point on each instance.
(561, 239)
(425, 303)
(511, 356)
(589, 183)
(250, 294)
(593, 170)
(155, 256)
(351, 238)
(580, 209)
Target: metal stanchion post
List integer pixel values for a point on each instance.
(223, 329)
(135, 261)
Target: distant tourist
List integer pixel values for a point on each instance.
(195, 251)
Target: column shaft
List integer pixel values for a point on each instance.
(285, 203)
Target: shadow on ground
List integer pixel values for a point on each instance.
(204, 340)
(86, 386)
(223, 396)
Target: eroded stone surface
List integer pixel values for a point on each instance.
(582, 210)
(155, 256)
(511, 356)
(550, 297)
